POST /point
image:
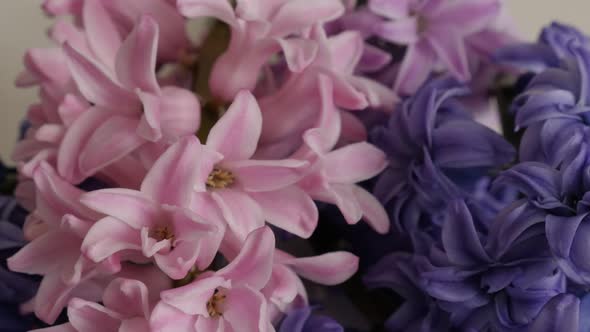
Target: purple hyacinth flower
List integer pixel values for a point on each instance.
(430, 138)
(564, 201)
(302, 320)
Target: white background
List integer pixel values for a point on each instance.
(22, 25)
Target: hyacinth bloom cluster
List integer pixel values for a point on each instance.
(293, 165)
(137, 224)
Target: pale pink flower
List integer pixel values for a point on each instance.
(128, 110)
(285, 290)
(260, 29)
(437, 34)
(334, 172)
(153, 223)
(54, 251)
(106, 23)
(226, 300)
(227, 184)
(328, 82)
(126, 307)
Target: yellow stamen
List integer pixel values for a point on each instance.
(214, 304)
(220, 178)
(161, 233)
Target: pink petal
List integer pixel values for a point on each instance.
(403, 31)
(236, 134)
(71, 108)
(172, 37)
(354, 163)
(295, 16)
(61, 7)
(299, 53)
(187, 249)
(450, 48)
(343, 196)
(390, 9)
(414, 70)
(346, 50)
(245, 310)
(240, 211)
(327, 269)
(130, 206)
(207, 324)
(192, 298)
(253, 265)
(377, 94)
(103, 36)
(47, 65)
(75, 139)
(126, 172)
(180, 113)
(56, 197)
(346, 95)
(108, 237)
(127, 297)
(44, 253)
(150, 126)
(92, 317)
(221, 10)
(96, 86)
(136, 60)
(52, 297)
(166, 318)
(266, 175)
(373, 212)
(113, 140)
(134, 325)
(282, 285)
(181, 170)
(290, 209)
(194, 229)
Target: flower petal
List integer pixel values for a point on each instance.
(373, 212)
(327, 269)
(129, 206)
(253, 265)
(266, 175)
(290, 209)
(245, 310)
(113, 140)
(295, 16)
(136, 59)
(102, 33)
(183, 168)
(221, 10)
(108, 237)
(166, 318)
(192, 298)
(96, 86)
(354, 163)
(236, 134)
(127, 297)
(92, 317)
(415, 68)
(450, 48)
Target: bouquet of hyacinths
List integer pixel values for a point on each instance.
(298, 166)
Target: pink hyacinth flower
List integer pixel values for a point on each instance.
(328, 82)
(334, 172)
(227, 300)
(259, 29)
(435, 31)
(285, 289)
(126, 307)
(227, 184)
(130, 108)
(54, 252)
(107, 22)
(153, 223)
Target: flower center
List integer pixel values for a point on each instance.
(214, 304)
(220, 178)
(162, 233)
